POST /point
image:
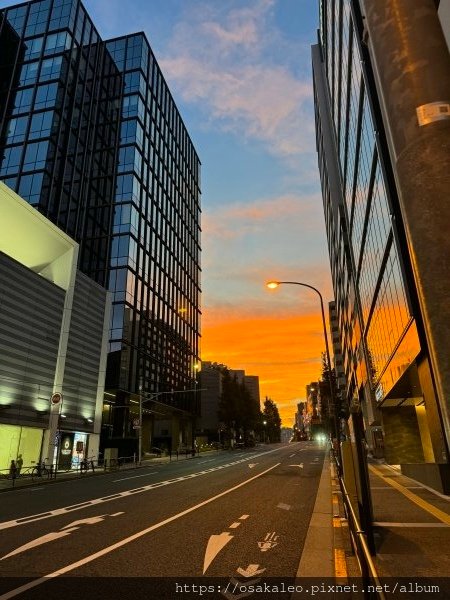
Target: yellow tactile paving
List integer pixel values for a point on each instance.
(436, 512)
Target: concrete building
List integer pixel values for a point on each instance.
(53, 341)
(382, 89)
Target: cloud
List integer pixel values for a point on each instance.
(224, 62)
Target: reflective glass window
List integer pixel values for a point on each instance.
(30, 187)
(29, 73)
(33, 48)
(11, 160)
(35, 156)
(46, 96)
(51, 68)
(16, 130)
(22, 101)
(37, 18)
(57, 42)
(41, 124)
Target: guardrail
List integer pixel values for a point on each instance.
(359, 540)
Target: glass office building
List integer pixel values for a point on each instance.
(155, 253)
(385, 352)
(91, 137)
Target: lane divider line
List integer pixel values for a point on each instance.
(127, 540)
(61, 511)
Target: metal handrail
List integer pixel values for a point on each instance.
(365, 559)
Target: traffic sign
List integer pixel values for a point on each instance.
(56, 398)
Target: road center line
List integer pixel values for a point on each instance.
(135, 476)
(127, 540)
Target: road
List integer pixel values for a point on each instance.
(231, 517)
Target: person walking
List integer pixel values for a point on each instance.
(19, 463)
(12, 469)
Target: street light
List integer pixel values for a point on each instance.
(264, 423)
(274, 284)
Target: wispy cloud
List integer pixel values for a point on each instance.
(223, 60)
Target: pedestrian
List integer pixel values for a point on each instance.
(19, 463)
(12, 469)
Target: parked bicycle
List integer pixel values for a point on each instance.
(40, 470)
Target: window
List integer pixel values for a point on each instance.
(22, 101)
(41, 124)
(16, 130)
(29, 73)
(33, 48)
(46, 96)
(37, 19)
(35, 156)
(133, 107)
(57, 42)
(11, 160)
(30, 187)
(51, 68)
(63, 14)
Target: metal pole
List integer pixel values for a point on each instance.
(140, 423)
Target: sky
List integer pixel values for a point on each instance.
(240, 74)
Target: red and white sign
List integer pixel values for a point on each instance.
(56, 398)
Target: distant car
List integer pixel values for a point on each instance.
(302, 436)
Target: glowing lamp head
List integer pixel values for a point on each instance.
(272, 284)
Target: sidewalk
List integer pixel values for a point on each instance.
(6, 484)
(411, 530)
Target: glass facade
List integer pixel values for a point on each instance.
(373, 310)
(91, 136)
(155, 253)
(59, 123)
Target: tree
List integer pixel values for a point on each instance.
(272, 417)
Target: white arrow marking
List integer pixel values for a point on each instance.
(215, 545)
(49, 537)
(300, 465)
(88, 521)
(284, 506)
(250, 571)
(251, 465)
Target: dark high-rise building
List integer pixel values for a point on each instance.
(373, 141)
(155, 254)
(91, 137)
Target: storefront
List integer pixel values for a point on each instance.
(71, 449)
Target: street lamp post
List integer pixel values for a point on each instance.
(275, 284)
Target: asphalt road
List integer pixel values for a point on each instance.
(220, 518)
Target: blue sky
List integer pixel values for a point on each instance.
(240, 73)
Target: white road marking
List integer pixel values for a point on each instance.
(270, 541)
(250, 571)
(234, 525)
(88, 521)
(284, 506)
(300, 465)
(117, 514)
(135, 476)
(215, 544)
(251, 465)
(244, 517)
(48, 537)
(206, 461)
(127, 540)
(292, 455)
(61, 511)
